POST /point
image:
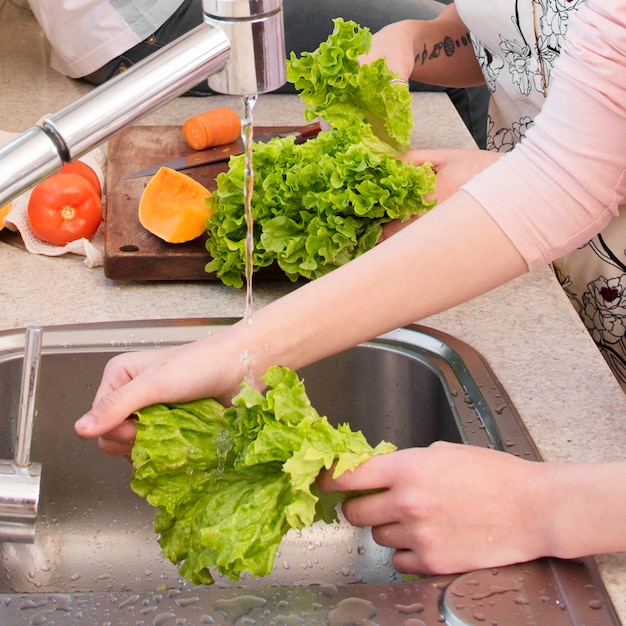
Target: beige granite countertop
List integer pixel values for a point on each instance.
(526, 330)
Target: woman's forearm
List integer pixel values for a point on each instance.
(450, 255)
(361, 299)
(444, 54)
(436, 52)
(442, 50)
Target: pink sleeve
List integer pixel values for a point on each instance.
(564, 182)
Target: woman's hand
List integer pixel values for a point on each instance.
(134, 380)
(394, 43)
(449, 508)
(453, 167)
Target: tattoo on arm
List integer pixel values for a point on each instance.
(447, 46)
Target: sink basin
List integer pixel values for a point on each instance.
(96, 559)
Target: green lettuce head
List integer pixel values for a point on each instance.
(321, 203)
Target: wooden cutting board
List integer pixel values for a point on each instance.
(131, 253)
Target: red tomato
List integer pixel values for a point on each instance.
(63, 208)
(82, 169)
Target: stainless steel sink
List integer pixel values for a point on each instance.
(96, 559)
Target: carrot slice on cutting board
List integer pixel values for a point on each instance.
(212, 128)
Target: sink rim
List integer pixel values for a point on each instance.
(471, 386)
(459, 365)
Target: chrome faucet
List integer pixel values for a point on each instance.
(20, 478)
(240, 50)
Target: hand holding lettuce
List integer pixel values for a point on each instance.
(230, 482)
(319, 204)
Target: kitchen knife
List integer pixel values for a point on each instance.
(223, 153)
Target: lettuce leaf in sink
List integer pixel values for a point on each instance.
(229, 483)
(316, 205)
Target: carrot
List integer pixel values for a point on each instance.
(212, 128)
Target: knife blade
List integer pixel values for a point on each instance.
(223, 153)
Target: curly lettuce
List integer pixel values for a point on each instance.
(319, 204)
(336, 87)
(229, 483)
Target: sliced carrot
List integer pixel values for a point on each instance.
(173, 206)
(212, 128)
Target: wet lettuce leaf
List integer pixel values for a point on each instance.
(229, 483)
(319, 204)
(336, 87)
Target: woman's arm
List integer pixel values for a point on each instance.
(437, 51)
(564, 182)
(450, 255)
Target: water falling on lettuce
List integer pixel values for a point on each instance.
(229, 483)
(319, 204)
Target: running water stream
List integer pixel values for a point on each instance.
(247, 133)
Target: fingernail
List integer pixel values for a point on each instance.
(86, 423)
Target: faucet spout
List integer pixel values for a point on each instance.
(257, 61)
(240, 49)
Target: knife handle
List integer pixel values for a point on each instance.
(310, 130)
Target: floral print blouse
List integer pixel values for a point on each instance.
(517, 43)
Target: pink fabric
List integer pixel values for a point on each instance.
(567, 178)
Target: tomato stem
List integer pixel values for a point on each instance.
(68, 212)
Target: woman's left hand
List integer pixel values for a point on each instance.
(453, 167)
(448, 508)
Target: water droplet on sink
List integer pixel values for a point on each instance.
(289, 620)
(163, 618)
(234, 608)
(407, 609)
(33, 603)
(130, 601)
(351, 611)
(596, 604)
(62, 602)
(41, 617)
